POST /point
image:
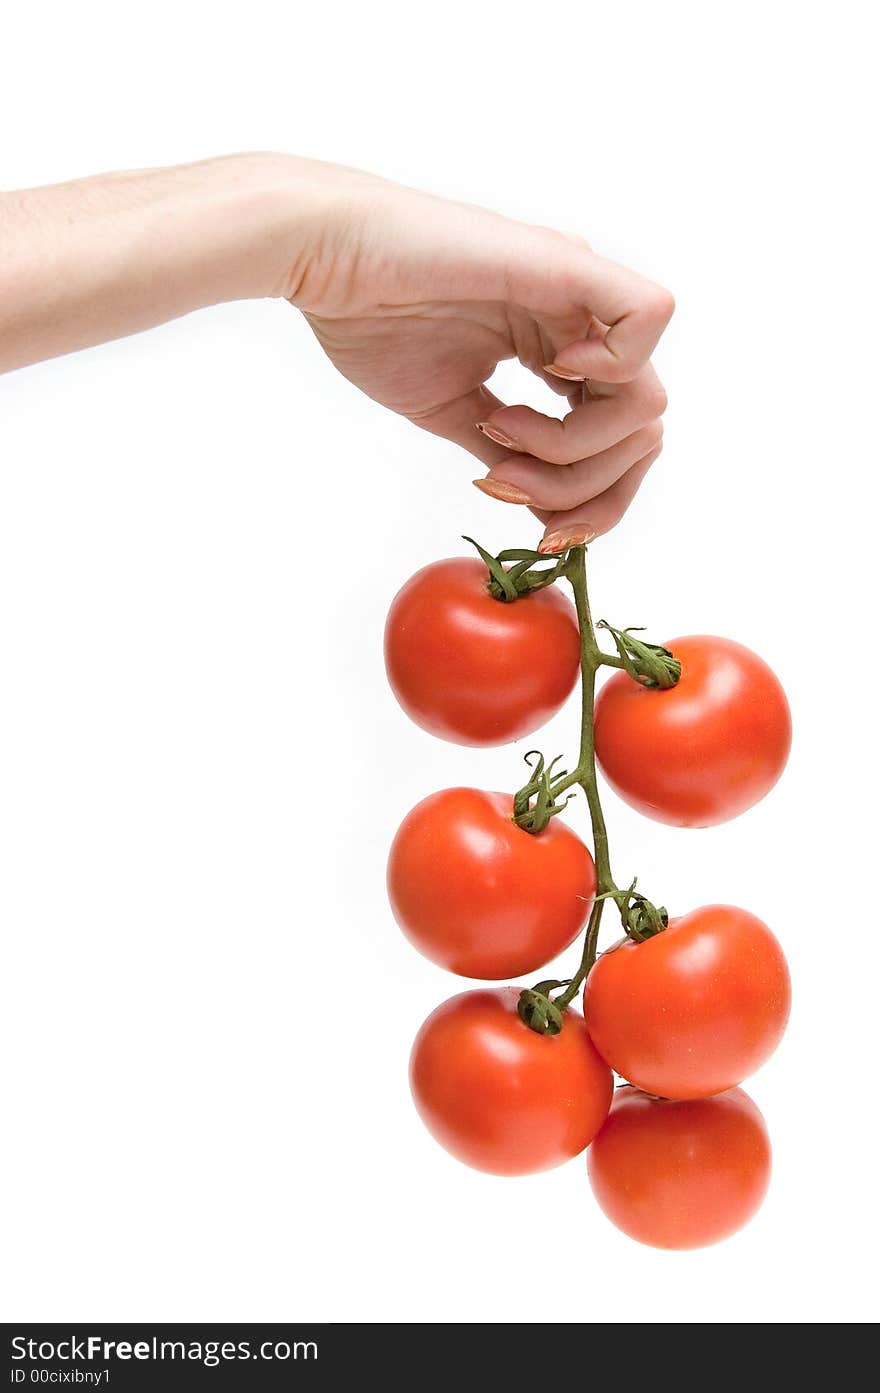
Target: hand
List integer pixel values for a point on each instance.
(416, 300)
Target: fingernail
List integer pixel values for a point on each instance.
(507, 493)
(564, 372)
(571, 537)
(493, 433)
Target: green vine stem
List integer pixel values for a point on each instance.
(592, 659)
(640, 918)
(513, 575)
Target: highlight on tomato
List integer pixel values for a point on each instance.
(694, 1009)
(704, 750)
(481, 896)
(680, 1174)
(500, 1097)
(474, 669)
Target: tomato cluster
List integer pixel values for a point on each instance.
(494, 885)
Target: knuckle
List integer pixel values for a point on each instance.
(562, 445)
(662, 304)
(559, 245)
(650, 436)
(651, 455)
(561, 491)
(574, 239)
(652, 400)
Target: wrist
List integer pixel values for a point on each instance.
(285, 215)
(240, 221)
(260, 211)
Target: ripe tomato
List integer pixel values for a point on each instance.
(680, 1174)
(499, 1096)
(693, 1010)
(703, 751)
(478, 895)
(476, 670)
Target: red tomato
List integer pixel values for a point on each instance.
(693, 1010)
(478, 895)
(680, 1175)
(703, 751)
(499, 1096)
(476, 670)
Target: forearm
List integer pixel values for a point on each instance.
(93, 260)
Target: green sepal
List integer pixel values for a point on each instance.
(650, 664)
(538, 1011)
(520, 580)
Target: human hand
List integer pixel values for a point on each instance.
(416, 300)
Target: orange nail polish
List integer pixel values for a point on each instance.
(506, 493)
(498, 436)
(565, 373)
(565, 538)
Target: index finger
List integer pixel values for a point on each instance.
(635, 311)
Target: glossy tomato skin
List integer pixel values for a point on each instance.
(478, 895)
(475, 670)
(680, 1174)
(695, 1009)
(701, 752)
(500, 1097)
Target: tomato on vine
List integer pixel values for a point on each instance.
(702, 751)
(680, 1174)
(473, 668)
(492, 885)
(500, 1097)
(694, 1009)
(481, 896)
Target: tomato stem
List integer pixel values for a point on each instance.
(652, 666)
(588, 958)
(592, 658)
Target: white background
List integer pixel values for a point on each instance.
(206, 1006)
